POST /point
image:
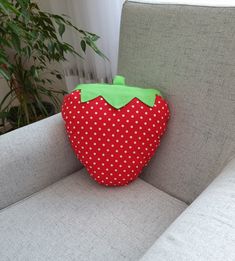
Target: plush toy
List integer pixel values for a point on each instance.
(114, 129)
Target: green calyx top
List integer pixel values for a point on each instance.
(117, 94)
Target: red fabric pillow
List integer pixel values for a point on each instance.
(114, 144)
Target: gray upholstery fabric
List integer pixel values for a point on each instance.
(188, 52)
(216, 3)
(206, 229)
(77, 219)
(32, 158)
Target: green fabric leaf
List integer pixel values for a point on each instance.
(117, 94)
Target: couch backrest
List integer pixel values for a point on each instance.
(188, 52)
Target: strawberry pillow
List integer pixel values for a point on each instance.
(114, 129)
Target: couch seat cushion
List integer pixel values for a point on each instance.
(77, 219)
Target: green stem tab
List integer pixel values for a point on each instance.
(117, 94)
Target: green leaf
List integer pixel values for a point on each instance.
(34, 71)
(7, 7)
(4, 42)
(10, 93)
(28, 51)
(95, 38)
(58, 76)
(3, 114)
(83, 46)
(5, 74)
(16, 42)
(26, 15)
(61, 29)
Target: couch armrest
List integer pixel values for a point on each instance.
(205, 231)
(34, 157)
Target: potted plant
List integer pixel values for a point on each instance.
(30, 39)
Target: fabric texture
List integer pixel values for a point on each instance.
(114, 144)
(34, 157)
(188, 52)
(77, 219)
(206, 229)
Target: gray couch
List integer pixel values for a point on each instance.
(52, 210)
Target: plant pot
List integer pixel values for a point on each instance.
(13, 114)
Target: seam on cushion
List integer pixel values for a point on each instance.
(37, 192)
(43, 187)
(178, 4)
(171, 196)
